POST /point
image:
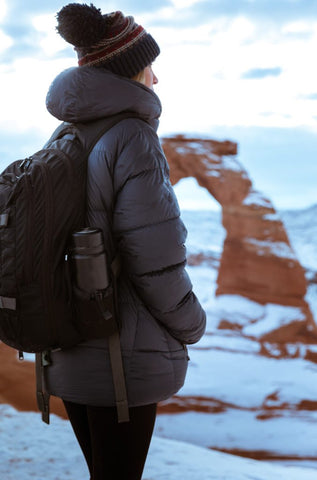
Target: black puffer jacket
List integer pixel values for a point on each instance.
(129, 187)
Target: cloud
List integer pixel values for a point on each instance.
(18, 25)
(18, 22)
(18, 19)
(258, 73)
(24, 43)
(267, 11)
(21, 8)
(136, 7)
(309, 96)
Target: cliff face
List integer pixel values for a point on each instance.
(258, 260)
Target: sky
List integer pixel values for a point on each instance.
(242, 70)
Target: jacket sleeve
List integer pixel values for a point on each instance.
(151, 237)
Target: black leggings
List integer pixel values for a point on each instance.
(113, 451)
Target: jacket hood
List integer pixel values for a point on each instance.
(83, 94)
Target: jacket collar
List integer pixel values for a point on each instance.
(83, 94)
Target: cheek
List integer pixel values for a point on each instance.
(148, 79)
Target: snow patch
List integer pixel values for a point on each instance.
(272, 217)
(256, 198)
(238, 309)
(276, 316)
(276, 249)
(254, 319)
(230, 163)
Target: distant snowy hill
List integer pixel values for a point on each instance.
(301, 226)
(205, 232)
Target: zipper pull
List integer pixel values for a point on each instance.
(21, 356)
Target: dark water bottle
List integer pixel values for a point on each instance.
(89, 261)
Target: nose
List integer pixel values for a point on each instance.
(155, 79)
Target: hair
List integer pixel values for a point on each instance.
(140, 77)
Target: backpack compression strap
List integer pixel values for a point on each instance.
(118, 377)
(42, 397)
(116, 354)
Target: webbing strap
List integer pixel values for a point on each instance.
(8, 302)
(118, 377)
(116, 354)
(42, 396)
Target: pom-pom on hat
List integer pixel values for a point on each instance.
(111, 41)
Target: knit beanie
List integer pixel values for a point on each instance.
(112, 41)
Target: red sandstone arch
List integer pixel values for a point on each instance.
(258, 260)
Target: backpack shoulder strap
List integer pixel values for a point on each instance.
(90, 132)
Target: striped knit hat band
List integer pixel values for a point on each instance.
(121, 36)
(111, 41)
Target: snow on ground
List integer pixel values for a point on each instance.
(224, 367)
(263, 395)
(258, 396)
(229, 369)
(30, 449)
(245, 379)
(290, 435)
(277, 249)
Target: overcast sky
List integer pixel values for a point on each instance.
(238, 69)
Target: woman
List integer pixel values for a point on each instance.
(129, 196)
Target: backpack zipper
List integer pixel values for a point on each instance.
(47, 246)
(29, 234)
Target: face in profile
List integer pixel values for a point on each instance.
(150, 79)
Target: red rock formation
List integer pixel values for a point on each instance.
(258, 261)
(17, 383)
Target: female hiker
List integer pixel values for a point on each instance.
(130, 198)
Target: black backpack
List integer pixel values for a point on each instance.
(42, 202)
